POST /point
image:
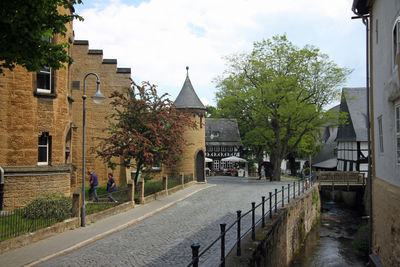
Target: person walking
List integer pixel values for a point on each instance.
(111, 187)
(93, 186)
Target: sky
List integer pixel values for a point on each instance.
(157, 39)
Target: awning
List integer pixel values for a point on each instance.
(234, 159)
(328, 164)
(209, 160)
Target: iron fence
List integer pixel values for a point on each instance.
(268, 206)
(187, 178)
(21, 221)
(174, 180)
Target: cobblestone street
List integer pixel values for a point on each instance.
(165, 238)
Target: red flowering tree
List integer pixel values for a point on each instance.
(144, 128)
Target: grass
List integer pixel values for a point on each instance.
(152, 187)
(174, 181)
(291, 177)
(16, 224)
(92, 208)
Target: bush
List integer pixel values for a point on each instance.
(53, 206)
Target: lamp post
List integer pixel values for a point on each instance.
(98, 98)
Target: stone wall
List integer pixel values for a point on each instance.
(386, 227)
(277, 243)
(195, 142)
(22, 185)
(25, 114)
(111, 78)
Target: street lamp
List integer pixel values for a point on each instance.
(98, 98)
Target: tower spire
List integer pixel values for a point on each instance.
(187, 71)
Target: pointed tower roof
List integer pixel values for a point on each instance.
(187, 97)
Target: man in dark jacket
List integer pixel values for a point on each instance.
(93, 185)
(111, 187)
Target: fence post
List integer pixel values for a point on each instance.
(298, 186)
(270, 205)
(141, 191)
(262, 207)
(222, 226)
(76, 203)
(238, 248)
(302, 185)
(131, 191)
(182, 176)
(165, 183)
(195, 254)
(288, 193)
(294, 189)
(283, 196)
(253, 221)
(276, 200)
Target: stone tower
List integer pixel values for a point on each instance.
(194, 152)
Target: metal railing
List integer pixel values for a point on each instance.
(21, 221)
(271, 203)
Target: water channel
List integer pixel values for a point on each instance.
(331, 242)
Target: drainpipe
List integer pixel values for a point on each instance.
(365, 20)
(1, 187)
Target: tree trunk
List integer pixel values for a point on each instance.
(292, 164)
(138, 168)
(276, 163)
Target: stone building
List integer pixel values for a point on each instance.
(194, 153)
(111, 78)
(383, 19)
(35, 130)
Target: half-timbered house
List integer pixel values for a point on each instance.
(352, 139)
(222, 141)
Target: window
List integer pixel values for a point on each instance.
(156, 165)
(396, 41)
(45, 77)
(397, 115)
(44, 149)
(380, 133)
(216, 164)
(43, 80)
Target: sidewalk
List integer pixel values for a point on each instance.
(74, 239)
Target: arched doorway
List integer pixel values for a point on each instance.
(200, 166)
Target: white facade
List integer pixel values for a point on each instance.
(385, 45)
(348, 156)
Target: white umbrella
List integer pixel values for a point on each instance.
(234, 159)
(237, 159)
(209, 160)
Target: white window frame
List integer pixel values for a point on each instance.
(46, 146)
(44, 90)
(395, 41)
(397, 132)
(380, 135)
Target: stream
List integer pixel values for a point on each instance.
(331, 242)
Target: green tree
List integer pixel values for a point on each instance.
(26, 25)
(279, 91)
(144, 128)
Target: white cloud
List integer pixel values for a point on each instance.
(159, 38)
